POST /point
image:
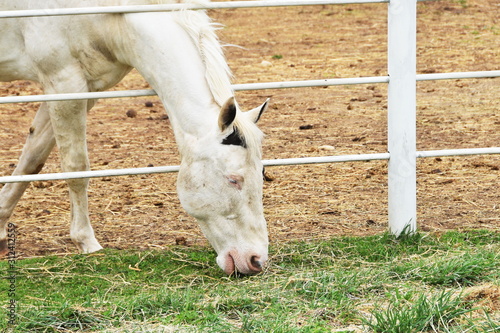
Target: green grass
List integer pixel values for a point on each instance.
(416, 283)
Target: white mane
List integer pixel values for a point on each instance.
(202, 31)
(218, 75)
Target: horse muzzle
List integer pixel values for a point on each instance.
(250, 263)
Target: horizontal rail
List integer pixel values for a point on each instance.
(458, 75)
(89, 174)
(326, 159)
(276, 162)
(248, 86)
(311, 83)
(76, 96)
(459, 152)
(175, 7)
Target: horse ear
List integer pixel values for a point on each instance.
(227, 114)
(255, 114)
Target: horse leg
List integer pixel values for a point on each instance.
(39, 144)
(69, 125)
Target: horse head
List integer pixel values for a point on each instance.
(220, 184)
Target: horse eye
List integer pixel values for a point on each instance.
(235, 181)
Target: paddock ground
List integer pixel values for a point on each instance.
(302, 202)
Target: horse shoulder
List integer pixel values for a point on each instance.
(14, 62)
(60, 48)
(96, 50)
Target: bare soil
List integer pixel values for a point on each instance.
(302, 202)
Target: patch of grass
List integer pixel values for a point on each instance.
(407, 314)
(463, 270)
(451, 269)
(341, 283)
(60, 319)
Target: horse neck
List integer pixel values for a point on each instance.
(166, 56)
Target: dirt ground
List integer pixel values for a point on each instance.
(302, 202)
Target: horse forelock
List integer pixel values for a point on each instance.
(250, 134)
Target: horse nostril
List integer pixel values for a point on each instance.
(255, 263)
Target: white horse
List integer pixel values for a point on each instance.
(178, 53)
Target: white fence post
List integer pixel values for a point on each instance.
(402, 38)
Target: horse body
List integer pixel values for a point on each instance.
(220, 180)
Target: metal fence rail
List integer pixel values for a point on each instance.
(249, 86)
(402, 80)
(274, 162)
(174, 7)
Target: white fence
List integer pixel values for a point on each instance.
(402, 80)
